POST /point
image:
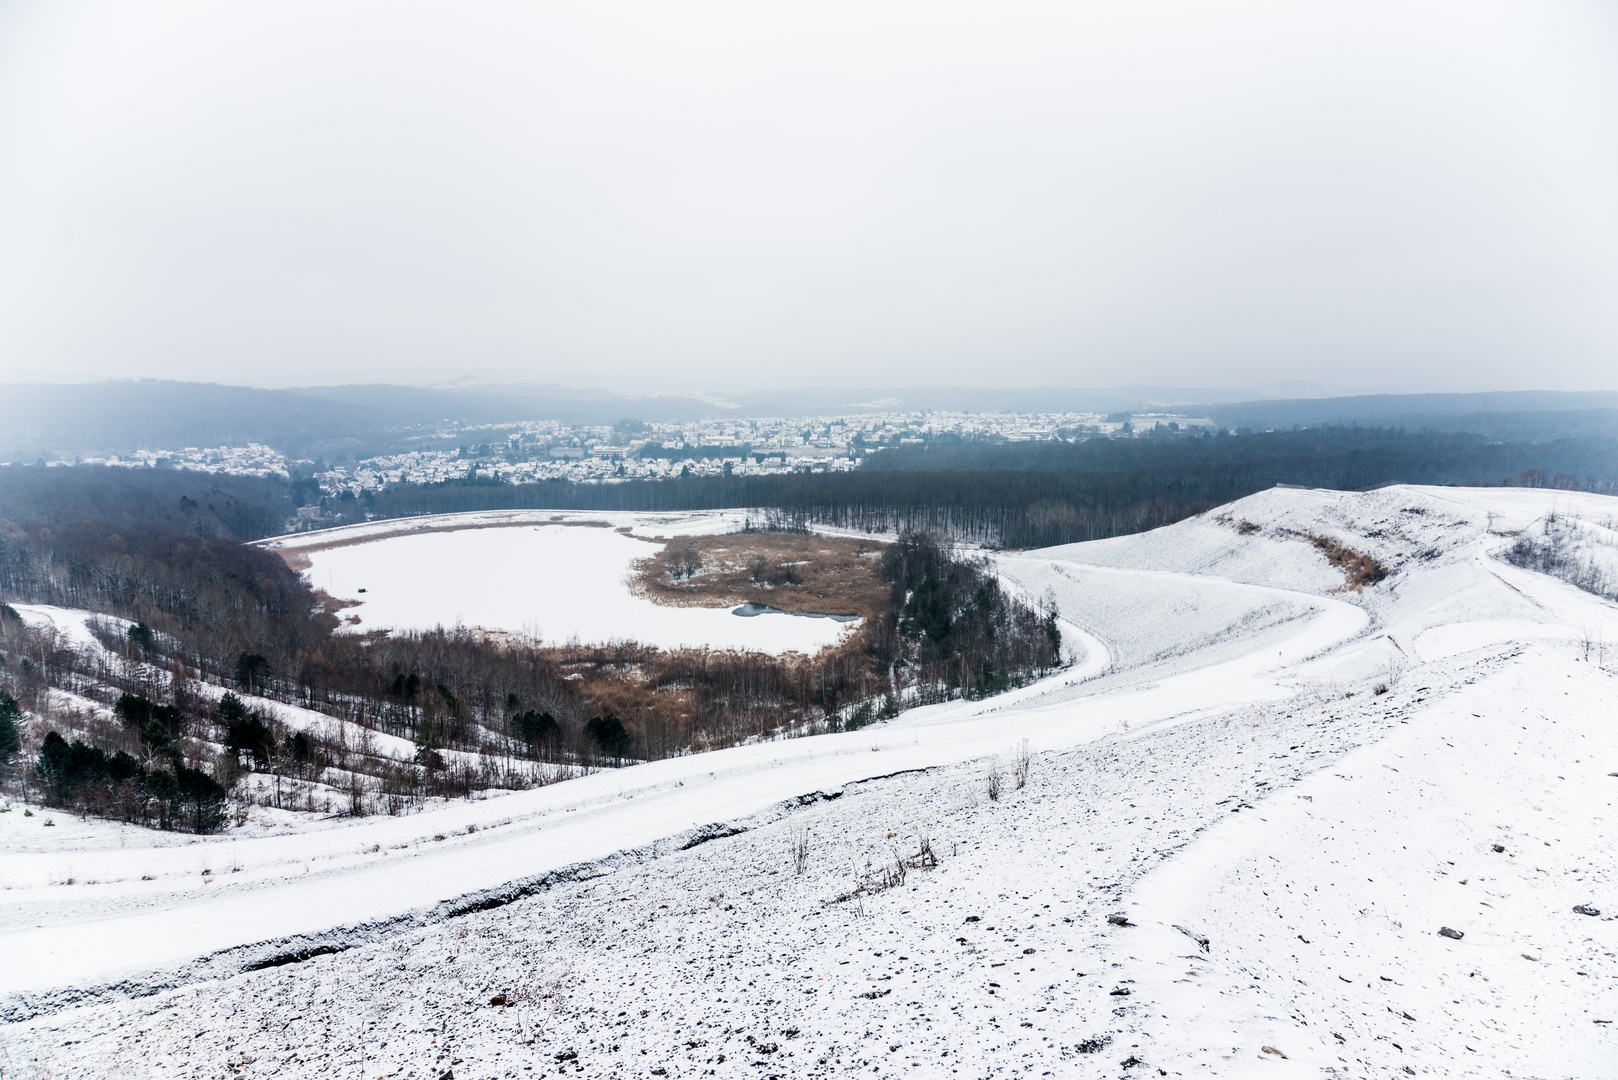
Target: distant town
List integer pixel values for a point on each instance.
(530, 451)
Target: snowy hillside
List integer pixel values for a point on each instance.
(1301, 735)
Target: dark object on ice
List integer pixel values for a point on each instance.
(1119, 919)
(974, 918)
(498, 999)
(1095, 1045)
(1028, 952)
(1444, 931)
(1273, 1050)
(1586, 909)
(447, 1074)
(568, 1055)
(1122, 991)
(1131, 1061)
(1498, 848)
(1199, 939)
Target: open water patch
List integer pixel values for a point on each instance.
(750, 609)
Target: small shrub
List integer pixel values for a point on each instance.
(1024, 762)
(798, 847)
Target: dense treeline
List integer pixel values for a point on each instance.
(162, 548)
(166, 792)
(217, 595)
(1023, 494)
(211, 610)
(967, 634)
(1042, 493)
(1336, 457)
(123, 502)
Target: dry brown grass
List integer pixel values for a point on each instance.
(332, 603)
(833, 575)
(1359, 570)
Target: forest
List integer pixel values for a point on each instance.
(201, 612)
(145, 735)
(1036, 494)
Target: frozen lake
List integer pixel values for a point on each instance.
(554, 582)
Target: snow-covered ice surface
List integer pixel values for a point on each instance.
(537, 573)
(1217, 765)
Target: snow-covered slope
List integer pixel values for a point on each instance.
(1219, 765)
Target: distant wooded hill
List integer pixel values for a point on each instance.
(55, 420)
(1017, 494)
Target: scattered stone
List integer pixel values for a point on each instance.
(1498, 848)
(1273, 1050)
(568, 1055)
(1198, 938)
(1119, 919)
(1028, 952)
(974, 918)
(498, 999)
(1530, 957)
(1122, 991)
(1095, 1045)
(1586, 909)
(1454, 935)
(1131, 1061)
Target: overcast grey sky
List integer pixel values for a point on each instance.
(1366, 195)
